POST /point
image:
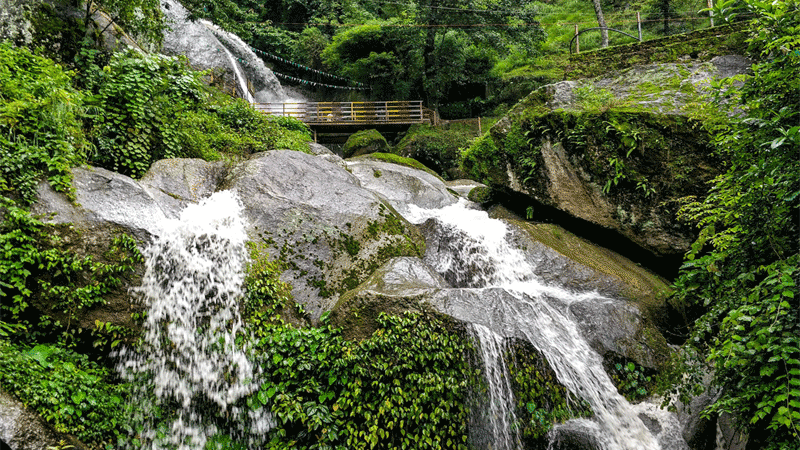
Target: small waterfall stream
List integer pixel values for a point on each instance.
(499, 413)
(241, 79)
(474, 253)
(189, 361)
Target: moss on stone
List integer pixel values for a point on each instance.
(401, 160)
(437, 147)
(365, 142)
(480, 194)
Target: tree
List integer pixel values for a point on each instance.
(601, 22)
(743, 271)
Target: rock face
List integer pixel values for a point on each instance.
(314, 216)
(617, 152)
(208, 47)
(401, 185)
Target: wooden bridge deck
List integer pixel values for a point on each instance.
(352, 113)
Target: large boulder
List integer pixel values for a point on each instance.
(401, 185)
(328, 231)
(364, 142)
(617, 152)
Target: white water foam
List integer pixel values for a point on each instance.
(539, 313)
(189, 365)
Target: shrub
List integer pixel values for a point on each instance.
(40, 130)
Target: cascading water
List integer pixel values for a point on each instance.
(499, 417)
(188, 365)
(241, 79)
(535, 311)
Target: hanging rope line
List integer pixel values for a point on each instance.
(307, 82)
(309, 69)
(314, 83)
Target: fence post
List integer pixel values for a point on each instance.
(711, 11)
(577, 40)
(480, 131)
(639, 24)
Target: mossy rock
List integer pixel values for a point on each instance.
(401, 284)
(481, 195)
(365, 142)
(436, 147)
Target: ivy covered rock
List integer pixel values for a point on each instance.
(365, 142)
(617, 152)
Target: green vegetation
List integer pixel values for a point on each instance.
(541, 400)
(40, 127)
(739, 282)
(631, 154)
(71, 392)
(632, 380)
(404, 385)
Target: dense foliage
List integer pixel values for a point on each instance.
(67, 389)
(402, 387)
(40, 127)
(741, 275)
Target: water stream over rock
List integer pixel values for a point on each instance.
(189, 361)
(473, 253)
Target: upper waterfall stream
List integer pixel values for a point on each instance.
(475, 253)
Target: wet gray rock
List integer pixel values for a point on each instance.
(319, 149)
(23, 429)
(102, 198)
(699, 432)
(175, 183)
(317, 218)
(616, 326)
(402, 284)
(401, 185)
(574, 435)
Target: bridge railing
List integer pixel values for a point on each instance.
(350, 113)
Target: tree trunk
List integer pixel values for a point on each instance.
(601, 22)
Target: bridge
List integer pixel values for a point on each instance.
(358, 114)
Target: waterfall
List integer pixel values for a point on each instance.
(241, 79)
(500, 434)
(188, 365)
(535, 311)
